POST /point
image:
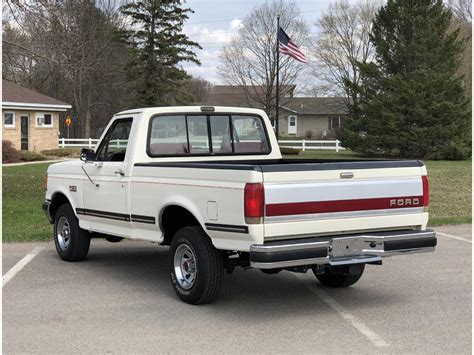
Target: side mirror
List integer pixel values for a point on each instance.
(87, 155)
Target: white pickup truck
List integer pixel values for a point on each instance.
(211, 183)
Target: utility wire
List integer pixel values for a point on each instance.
(229, 20)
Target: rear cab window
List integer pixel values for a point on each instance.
(201, 135)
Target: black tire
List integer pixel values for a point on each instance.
(208, 263)
(341, 276)
(77, 247)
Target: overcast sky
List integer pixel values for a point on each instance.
(214, 22)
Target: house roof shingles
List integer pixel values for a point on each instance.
(12, 92)
(318, 105)
(226, 95)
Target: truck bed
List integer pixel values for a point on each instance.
(308, 197)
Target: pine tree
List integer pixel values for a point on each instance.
(412, 102)
(158, 46)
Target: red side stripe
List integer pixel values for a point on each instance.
(285, 209)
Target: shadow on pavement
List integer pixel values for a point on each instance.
(249, 293)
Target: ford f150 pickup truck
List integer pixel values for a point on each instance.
(211, 183)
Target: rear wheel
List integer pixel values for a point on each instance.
(341, 276)
(72, 243)
(196, 267)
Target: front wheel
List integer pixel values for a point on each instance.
(341, 276)
(196, 267)
(72, 243)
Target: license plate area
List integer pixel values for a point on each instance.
(355, 247)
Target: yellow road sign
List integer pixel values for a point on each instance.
(68, 121)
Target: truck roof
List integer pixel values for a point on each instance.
(190, 109)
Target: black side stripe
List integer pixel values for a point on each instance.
(116, 216)
(103, 214)
(227, 228)
(143, 219)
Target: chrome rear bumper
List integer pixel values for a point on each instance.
(341, 250)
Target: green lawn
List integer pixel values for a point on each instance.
(23, 194)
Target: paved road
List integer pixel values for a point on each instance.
(120, 301)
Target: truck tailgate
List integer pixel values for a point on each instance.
(343, 197)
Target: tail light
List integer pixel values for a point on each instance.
(254, 203)
(426, 192)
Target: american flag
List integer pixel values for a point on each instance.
(286, 46)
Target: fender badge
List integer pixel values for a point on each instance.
(72, 188)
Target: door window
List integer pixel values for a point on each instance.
(24, 132)
(114, 145)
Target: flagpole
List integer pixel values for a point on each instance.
(277, 81)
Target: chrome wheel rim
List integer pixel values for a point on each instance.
(63, 233)
(185, 267)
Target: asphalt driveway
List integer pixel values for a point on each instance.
(120, 300)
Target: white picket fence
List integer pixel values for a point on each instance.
(301, 144)
(308, 144)
(88, 142)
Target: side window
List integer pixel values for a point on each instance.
(114, 145)
(249, 135)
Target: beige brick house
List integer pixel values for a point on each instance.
(323, 116)
(30, 119)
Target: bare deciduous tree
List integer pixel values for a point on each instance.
(69, 50)
(198, 88)
(249, 60)
(342, 42)
(462, 21)
(462, 10)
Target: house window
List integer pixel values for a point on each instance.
(44, 119)
(9, 119)
(335, 122)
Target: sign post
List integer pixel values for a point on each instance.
(68, 123)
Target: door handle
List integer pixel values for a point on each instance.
(120, 172)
